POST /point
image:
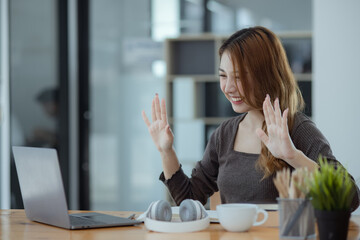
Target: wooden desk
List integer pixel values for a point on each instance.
(14, 225)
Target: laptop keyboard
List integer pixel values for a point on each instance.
(79, 221)
(98, 219)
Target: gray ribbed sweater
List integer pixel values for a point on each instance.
(234, 173)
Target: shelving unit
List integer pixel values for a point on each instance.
(193, 95)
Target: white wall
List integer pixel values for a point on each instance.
(336, 80)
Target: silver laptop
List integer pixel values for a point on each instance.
(43, 192)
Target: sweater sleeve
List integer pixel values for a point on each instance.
(202, 183)
(308, 138)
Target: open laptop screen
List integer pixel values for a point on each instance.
(41, 185)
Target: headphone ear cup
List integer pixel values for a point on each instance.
(191, 210)
(160, 210)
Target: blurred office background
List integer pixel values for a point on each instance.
(75, 75)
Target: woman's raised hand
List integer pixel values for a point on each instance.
(278, 139)
(159, 128)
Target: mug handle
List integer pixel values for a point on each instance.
(260, 210)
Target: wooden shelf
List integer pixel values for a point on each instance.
(215, 78)
(306, 77)
(294, 34)
(195, 78)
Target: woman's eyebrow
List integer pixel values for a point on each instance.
(222, 70)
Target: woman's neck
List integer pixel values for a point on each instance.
(253, 120)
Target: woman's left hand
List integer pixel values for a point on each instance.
(278, 139)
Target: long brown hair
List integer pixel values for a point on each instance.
(259, 52)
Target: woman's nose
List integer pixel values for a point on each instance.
(229, 87)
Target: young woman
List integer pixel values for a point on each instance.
(270, 133)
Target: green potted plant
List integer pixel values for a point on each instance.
(331, 190)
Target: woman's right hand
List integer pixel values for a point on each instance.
(159, 128)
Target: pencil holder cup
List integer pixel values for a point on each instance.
(296, 219)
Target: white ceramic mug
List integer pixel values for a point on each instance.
(239, 217)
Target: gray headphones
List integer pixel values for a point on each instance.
(189, 210)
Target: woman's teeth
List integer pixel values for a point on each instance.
(235, 99)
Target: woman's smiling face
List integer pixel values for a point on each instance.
(230, 84)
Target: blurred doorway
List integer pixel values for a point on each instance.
(38, 81)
